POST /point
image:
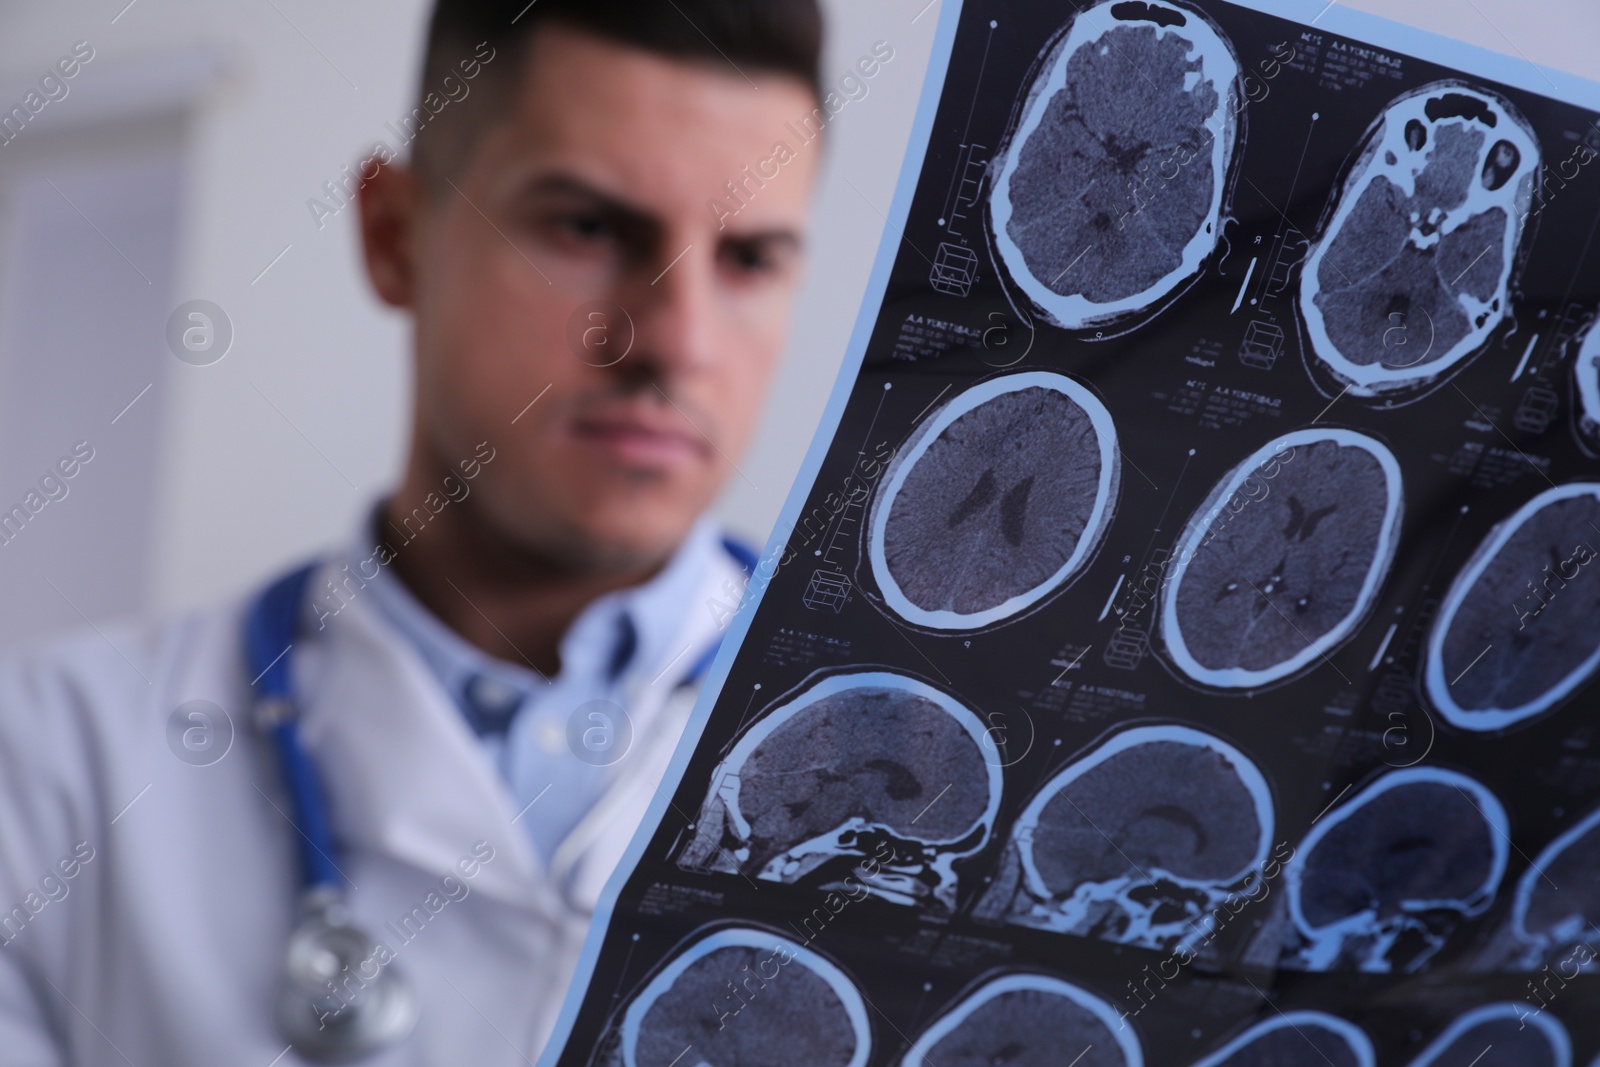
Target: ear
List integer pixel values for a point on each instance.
(390, 209)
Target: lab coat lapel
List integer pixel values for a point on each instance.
(402, 771)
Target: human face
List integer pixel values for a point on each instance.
(575, 264)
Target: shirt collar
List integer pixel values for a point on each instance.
(616, 637)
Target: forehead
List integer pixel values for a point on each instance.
(665, 132)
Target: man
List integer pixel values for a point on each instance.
(472, 704)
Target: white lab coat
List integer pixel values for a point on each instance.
(167, 948)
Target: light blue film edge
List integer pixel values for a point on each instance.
(1314, 15)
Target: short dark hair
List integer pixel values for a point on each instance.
(769, 36)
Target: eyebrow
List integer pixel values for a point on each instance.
(780, 236)
(566, 184)
(561, 184)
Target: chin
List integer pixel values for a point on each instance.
(633, 538)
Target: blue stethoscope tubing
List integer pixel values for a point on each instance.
(312, 1013)
(271, 628)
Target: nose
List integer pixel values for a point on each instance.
(673, 304)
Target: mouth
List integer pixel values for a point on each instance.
(642, 438)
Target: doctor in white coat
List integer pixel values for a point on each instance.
(417, 759)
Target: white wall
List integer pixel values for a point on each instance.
(274, 450)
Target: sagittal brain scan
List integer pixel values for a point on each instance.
(1500, 1035)
(1296, 1039)
(1381, 881)
(855, 760)
(1558, 897)
(1413, 269)
(996, 502)
(744, 996)
(1110, 192)
(1283, 560)
(1027, 1020)
(1516, 634)
(1137, 841)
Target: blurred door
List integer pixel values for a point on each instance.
(89, 221)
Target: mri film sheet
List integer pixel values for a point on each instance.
(1182, 642)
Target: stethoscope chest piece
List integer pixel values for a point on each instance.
(338, 1002)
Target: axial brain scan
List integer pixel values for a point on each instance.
(1500, 1035)
(1138, 840)
(1516, 633)
(1027, 1020)
(997, 501)
(1283, 559)
(1110, 191)
(1296, 1039)
(1413, 271)
(858, 757)
(743, 996)
(1380, 880)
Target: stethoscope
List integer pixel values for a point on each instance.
(323, 1025)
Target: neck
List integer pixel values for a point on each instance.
(508, 600)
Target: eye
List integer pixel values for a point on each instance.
(753, 258)
(580, 231)
(747, 258)
(586, 226)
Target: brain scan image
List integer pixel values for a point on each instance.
(1381, 880)
(1137, 841)
(854, 762)
(998, 500)
(1413, 270)
(743, 996)
(1516, 633)
(1108, 196)
(1027, 1020)
(1283, 560)
(1500, 1035)
(1557, 905)
(1586, 372)
(1296, 1039)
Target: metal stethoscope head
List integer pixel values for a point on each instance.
(337, 1002)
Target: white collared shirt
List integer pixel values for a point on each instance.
(558, 757)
